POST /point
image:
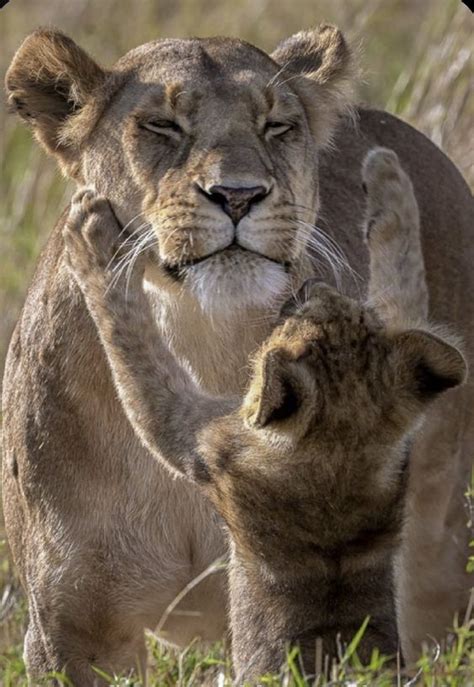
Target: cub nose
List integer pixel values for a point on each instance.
(236, 202)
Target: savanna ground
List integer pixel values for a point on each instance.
(416, 58)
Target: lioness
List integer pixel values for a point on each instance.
(310, 472)
(210, 150)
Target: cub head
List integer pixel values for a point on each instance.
(207, 149)
(333, 375)
(318, 451)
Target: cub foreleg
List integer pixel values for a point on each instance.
(161, 400)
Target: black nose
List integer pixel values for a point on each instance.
(236, 202)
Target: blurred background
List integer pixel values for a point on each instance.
(416, 58)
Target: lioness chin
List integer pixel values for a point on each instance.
(211, 154)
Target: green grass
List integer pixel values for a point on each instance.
(450, 666)
(417, 61)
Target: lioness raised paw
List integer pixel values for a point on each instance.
(93, 240)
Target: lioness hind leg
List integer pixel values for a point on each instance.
(397, 285)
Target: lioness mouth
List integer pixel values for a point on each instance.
(178, 272)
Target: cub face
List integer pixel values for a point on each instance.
(208, 148)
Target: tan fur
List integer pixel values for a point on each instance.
(397, 286)
(310, 474)
(101, 559)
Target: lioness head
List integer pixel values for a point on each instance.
(209, 148)
(333, 401)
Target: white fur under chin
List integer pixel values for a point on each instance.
(228, 282)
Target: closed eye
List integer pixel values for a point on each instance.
(163, 127)
(277, 128)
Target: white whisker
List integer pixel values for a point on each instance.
(326, 246)
(124, 229)
(128, 239)
(290, 78)
(275, 76)
(123, 265)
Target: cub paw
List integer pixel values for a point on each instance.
(92, 238)
(91, 231)
(392, 208)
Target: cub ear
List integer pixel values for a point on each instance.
(274, 393)
(327, 66)
(49, 79)
(429, 364)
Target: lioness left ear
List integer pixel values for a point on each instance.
(326, 65)
(429, 364)
(274, 392)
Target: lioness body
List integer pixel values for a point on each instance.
(103, 538)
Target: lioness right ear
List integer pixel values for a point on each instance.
(49, 79)
(326, 65)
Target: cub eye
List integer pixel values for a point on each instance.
(164, 127)
(277, 128)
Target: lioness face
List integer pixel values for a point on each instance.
(219, 151)
(207, 148)
(229, 170)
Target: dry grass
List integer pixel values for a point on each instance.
(417, 62)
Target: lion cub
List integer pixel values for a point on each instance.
(309, 472)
